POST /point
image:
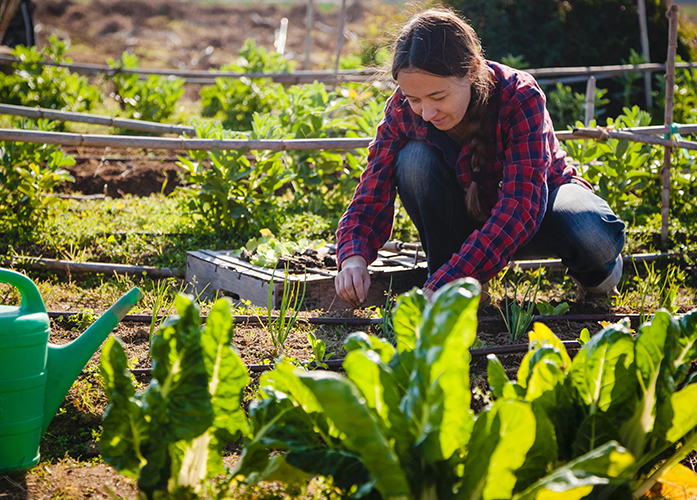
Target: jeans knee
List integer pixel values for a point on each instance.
(602, 241)
(415, 165)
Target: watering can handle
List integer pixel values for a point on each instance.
(31, 298)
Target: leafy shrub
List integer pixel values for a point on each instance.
(28, 174)
(171, 436)
(230, 193)
(618, 169)
(34, 84)
(235, 100)
(567, 107)
(152, 99)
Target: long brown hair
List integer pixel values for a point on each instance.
(439, 42)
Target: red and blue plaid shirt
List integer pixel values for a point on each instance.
(525, 163)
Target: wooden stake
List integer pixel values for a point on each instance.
(590, 101)
(643, 30)
(668, 117)
(340, 35)
(308, 32)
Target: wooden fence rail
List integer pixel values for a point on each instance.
(544, 75)
(194, 144)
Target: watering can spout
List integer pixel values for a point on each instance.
(65, 362)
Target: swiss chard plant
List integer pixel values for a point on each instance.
(170, 437)
(629, 392)
(399, 423)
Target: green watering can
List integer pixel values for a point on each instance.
(35, 376)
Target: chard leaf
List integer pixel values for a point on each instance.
(376, 383)
(496, 374)
(439, 393)
(283, 379)
(407, 318)
(275, 423)
(684, 345)
(280, 469)
(226, 372)
(124, 427)
(649, 353)
(361, 340)
(201, 457)
(501, 440)
(602, 372)
(596, 430)
(542, 453)
(180, 374)
(577, 478)
(361, 433)
(541, 337)
(684, 405)
(345, 467)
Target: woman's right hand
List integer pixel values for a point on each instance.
(353, 281)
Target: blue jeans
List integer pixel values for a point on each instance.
(578, 227)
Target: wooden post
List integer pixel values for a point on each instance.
(281, 35)
(668, 116)
(590, 101)
(340, 35)
(309, 15)
(645, 51)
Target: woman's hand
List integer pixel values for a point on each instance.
(352, 282)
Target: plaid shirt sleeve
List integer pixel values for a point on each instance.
(525, 143)
(367, 223)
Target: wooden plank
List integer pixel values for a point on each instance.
(209, 272)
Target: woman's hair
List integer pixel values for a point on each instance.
(439, 42)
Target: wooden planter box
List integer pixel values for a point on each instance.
(209, 272)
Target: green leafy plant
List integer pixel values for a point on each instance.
(171, 436)
(319, 349)
(621, 389)
(618, 169)
(279, 328)
(229, 192)
(28, 175)
(399, 423)
(235, 100)
(266, 250)
(152, 99)
(568, 107)
(547, 309)
(518, 316)
(656, 290)
(48, 86)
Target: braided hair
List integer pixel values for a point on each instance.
(439, 42)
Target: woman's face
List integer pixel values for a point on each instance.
(441, 100)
